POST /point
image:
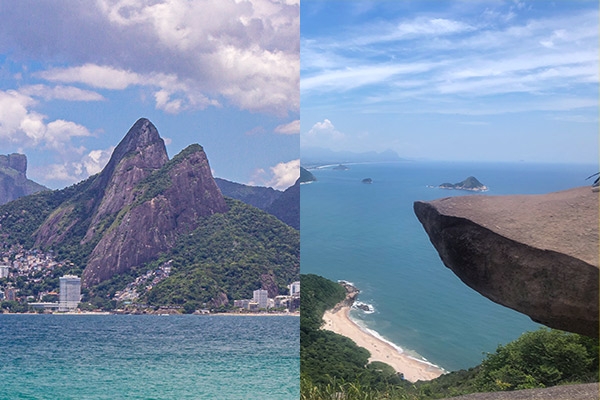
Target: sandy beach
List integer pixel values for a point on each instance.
(338, 321)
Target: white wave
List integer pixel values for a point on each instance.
(409, 353)
(359, 305)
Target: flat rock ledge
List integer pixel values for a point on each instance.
(537, 254)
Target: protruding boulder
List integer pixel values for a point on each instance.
(537, 254)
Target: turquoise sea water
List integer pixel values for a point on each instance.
(369, 235)
(148, 357)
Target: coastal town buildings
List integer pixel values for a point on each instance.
(24, 275)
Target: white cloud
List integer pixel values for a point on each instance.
(246, 52)
(429, 26)
(60, 92)
(74, 167)
(173, 95)
(98, 76)
(285, 174)
(21, 125)
(96, 160)
(353, 77)
(240, 53)
(280, 176)
(322, 134)
(417, 63)
(292, 128)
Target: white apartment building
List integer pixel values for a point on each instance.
(260, 296)
(294, 289)
(3, 271)
(70, 293)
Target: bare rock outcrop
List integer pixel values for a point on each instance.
(13, 178)
(141, 152)
(537, 254)
(166, 205)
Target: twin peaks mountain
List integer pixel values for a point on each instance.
(144, 208)
(137, 206)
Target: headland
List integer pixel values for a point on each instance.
(338, 320)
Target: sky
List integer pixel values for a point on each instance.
(464, 80)
(75, 76)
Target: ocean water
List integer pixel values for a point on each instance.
(149, 357)
(370, 236)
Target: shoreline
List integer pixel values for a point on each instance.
(338, 321)
(294, 314)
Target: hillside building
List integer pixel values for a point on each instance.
(70, 293)
(294, 289)
(261, 297)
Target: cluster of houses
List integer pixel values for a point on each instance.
(144, 283)
(32, 265)
(261, 300)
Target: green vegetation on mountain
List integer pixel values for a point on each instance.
(257, 196)
(327, 358)
(146, 217)
(332, 366)
(230, 254)
(20, 218)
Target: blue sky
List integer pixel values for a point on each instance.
(74, 77)
(452, 80)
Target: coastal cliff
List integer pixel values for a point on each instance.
(537, 254)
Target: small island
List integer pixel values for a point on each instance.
(367, 180)
(471, 184)
(341, 167)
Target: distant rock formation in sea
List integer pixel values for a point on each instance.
(13, 178)
(341, 167)
(367, 180)
(471, 183)
(537, 254)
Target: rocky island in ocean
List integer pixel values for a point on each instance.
(471, 183)
(367, 180)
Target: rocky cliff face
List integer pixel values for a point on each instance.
(537, 254)
(140, 153)
(163, 206)
(13, 178)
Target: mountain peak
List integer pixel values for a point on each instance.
(140, 152)
(141, 135)
(13, 178)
